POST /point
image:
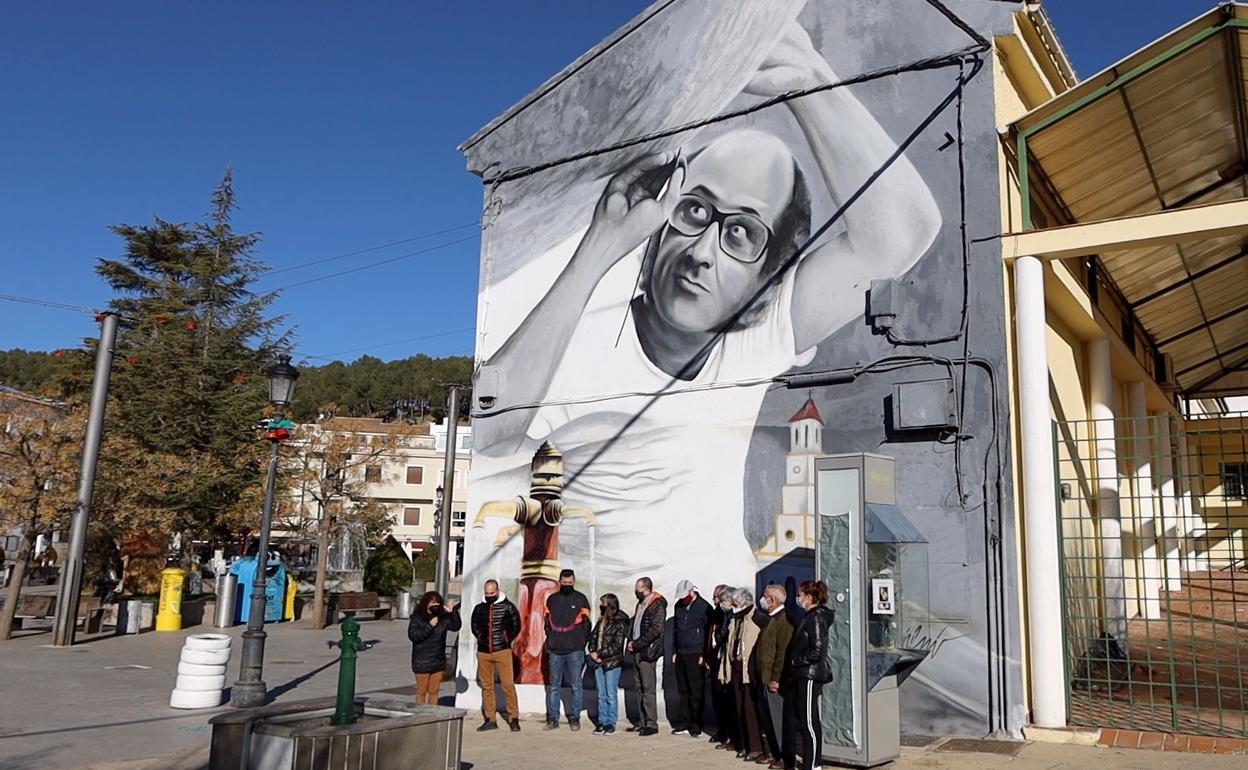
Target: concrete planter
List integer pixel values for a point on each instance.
(390, 735)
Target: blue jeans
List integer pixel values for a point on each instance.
(608, 695)
(571, 666)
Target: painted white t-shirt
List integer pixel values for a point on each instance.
(663, 473)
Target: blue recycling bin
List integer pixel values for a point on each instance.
(274, 588)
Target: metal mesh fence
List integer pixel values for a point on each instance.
(1153, 520)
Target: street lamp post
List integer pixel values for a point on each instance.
(250, 689)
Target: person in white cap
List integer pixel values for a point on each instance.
(692, 616)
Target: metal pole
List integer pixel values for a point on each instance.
(442, 575)
(71, 574)
(250, 689)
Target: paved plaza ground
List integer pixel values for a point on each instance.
(103, 704)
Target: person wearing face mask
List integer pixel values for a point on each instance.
(769, 654)
(567, 623)
(433, 619)
(606, 652)
(736, 669)
(691, 616)
(806, 670)
(647, 648)
(721, 694)
(496, 624)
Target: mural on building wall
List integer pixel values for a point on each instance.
(637, 305)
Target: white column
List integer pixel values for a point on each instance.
(1044, 612)
(1108, 506)
(1145, 501)
(1169, 532)
(1189, 505)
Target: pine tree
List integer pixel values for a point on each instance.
(188, 382)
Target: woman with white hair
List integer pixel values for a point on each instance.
(735, 670)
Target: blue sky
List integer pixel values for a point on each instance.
(341, 122)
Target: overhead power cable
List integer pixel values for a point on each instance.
(330, 356)
(323, 260)
(49, 303)
(378, 263)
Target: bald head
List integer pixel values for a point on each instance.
(744, 170)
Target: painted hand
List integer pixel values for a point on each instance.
(793, 65)
(635, 204)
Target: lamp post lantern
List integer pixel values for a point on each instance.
(250, 689)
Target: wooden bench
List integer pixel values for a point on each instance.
(363, 601)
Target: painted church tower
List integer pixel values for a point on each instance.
(795, 524)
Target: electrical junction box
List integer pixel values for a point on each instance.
(925, 405)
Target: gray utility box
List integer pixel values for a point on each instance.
(389, 735)
(874, 561)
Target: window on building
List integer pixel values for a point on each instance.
(372, 474)
(459, 518)
(465, 442)
(415, 474)
(411, 516)
(1235, 481)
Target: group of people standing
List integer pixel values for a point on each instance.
(765, 668)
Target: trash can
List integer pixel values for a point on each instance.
(403, 602)
(169, 618)
(227, 589)
(131, 620)
(274, 588)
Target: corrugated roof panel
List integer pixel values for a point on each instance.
(1187, 112)
(1189, 379)
(1140, 272)
(1190, 353)
(1182, 143)
(1230, 332)
(1202, 254)
(1176, 312)
(1220, 295)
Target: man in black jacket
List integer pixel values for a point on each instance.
(496, 624)
(647, 648)
(567, 631)
(692, 616)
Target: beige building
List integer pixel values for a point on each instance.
(1125, 227)
(407, 479)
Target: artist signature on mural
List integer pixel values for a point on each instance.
(922, 638)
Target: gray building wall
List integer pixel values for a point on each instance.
(628, 446)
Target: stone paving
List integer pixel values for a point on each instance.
(103, 705)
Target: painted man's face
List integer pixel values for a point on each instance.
(739, 184)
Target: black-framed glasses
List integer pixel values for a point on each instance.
(742, 236)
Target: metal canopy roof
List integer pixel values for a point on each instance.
(1162, 129)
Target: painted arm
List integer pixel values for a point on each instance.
(633, 205)
(888, 227)
(579, 512)
(501, 509)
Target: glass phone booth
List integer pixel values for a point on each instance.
(874, 561)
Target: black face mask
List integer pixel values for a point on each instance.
(435, 609)
(565, 589)
(641, 595)
(491, 599)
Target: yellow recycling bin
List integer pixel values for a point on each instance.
(169, 615)
(291, 588)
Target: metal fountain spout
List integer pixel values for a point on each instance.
(350, 645)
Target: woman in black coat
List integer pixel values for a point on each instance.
(606, 650)
(427, 630)
(806, 671)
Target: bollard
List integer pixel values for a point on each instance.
(344, 710)
(169, 618)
